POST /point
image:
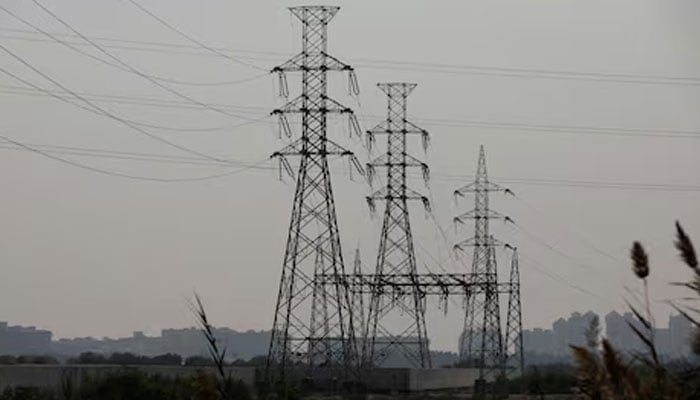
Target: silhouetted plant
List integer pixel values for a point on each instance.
(228, 388)
(605, 375)
(27, 393)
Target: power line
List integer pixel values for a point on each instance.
(509, 72)
(555, 128)
(558, 278)
(607, 185)
(75, 48)
(592, 184)
(579, 236)
(90, 104)
(137, 100)
(127, 155)
(190, 38)
(531, 73)
(132, 69)
(139, 156)
(133, 45)
(550, 247)
(500, 125)
(119, 174)
(32, 91)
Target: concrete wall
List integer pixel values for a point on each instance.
(418, 380)
(53, 375)
(441, 379)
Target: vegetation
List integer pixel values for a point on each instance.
(544, 379)
(603, 373)
(13, 360)
(90, 358)
(131, 384)
(226, 387)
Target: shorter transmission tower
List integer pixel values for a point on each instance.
(482, 344)
(514, 325)
(396, 256)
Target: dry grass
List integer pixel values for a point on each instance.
(603, 374)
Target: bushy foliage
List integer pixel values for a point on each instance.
(257, 361)
(90, 358)
(27, 359)
(544, 379)
(132, 384)
(199, 361)
(28, 393)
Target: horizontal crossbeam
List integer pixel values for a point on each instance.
(427, 284)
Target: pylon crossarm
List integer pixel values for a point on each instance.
(298, 148)
(299, 106)
(383, 194)
(478, 242)
(312, 62)
(475, 187)
(410, 128)
(476, 214)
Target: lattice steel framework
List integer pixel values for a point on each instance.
(358, 306)
(396, 324)
(481, 344)
(312, 322)
(514, 325)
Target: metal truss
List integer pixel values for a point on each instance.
(396, 325)
(513, 347)
(481, 344)
(313, 323)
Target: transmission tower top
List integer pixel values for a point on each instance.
(314, 15)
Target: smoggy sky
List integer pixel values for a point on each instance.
(89, 254)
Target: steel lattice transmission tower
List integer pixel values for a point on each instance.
(302, 330)
(481, 344)
(514, 326)
(396, 256)
(358, 306)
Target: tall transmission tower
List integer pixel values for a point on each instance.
(482, 342)
(301, 329)
(396, 256)
(514, 322)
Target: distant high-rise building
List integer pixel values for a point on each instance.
(24, 340)
(680, 333)
(619, 333)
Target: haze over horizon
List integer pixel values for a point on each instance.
(601, 147)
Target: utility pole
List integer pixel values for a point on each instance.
(313, 229)
(403, 311)
(481, 344)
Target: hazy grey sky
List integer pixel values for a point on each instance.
(88, 254)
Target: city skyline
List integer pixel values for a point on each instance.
(673, 336)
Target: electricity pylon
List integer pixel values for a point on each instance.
(481, 344)
(313, 229)
(358, 308)
(514, 326)
(387, 308)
